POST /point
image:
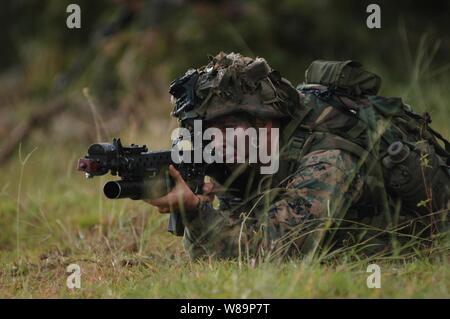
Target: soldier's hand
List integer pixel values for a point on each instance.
(181, 198)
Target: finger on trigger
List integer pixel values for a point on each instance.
(174, 173)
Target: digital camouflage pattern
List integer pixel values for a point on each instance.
(319, 207)
(323, 186)
(331, 191)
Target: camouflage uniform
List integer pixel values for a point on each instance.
(319, 196)
(323, 186)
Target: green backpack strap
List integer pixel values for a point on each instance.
(292, 126)
(327, 141)
(445, 152)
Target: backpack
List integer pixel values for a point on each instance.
(400, 154)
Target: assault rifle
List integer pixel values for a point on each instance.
(144, 174)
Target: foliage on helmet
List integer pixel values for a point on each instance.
(232, 83)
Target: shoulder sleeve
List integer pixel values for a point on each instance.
(323, 188)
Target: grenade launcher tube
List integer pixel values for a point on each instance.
(124, 189)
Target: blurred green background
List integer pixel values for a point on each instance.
(127, 52)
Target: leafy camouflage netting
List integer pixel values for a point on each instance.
(232, 83)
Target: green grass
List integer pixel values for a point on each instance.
(50, 217)
(161, 277)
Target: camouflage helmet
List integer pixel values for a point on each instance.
(232, 83)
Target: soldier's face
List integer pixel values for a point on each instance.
(239, 142)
